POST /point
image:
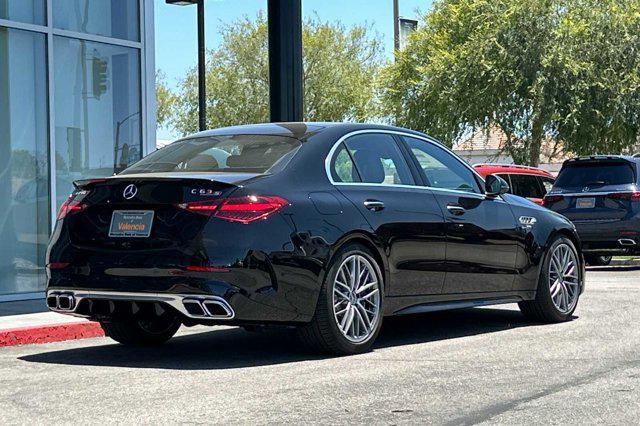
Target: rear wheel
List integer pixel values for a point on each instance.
(349, 311)
(142, 332)
(594, 260)
(558, 285)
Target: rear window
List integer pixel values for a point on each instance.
(595, 174)
(236, 153)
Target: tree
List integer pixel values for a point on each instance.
(164, 99)
(566, 70)
(339, 72)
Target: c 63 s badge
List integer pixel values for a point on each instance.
(205, 192)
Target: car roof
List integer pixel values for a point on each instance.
(631, 158)
(487, 169)
(299, 130)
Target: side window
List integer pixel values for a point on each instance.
(342, 168)
(378, 159)
(526, 186)
(442, 169)
(547, 183)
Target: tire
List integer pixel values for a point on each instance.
(595, 260)
(543, 308)
(323, 333)
(142, 332)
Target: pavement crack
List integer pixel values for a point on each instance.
(495, 410)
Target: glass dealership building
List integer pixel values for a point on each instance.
(76, 101)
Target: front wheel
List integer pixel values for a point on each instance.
(559, 284)
(142, 332)
(349, 311)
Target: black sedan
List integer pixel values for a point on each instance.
(324, 227)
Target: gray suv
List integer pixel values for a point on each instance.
(601, 196)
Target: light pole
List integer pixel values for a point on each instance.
(285, 60)
(202, 112)
(396, 26)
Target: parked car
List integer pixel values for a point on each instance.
(325, 227)
(524, 181)
(601, 196)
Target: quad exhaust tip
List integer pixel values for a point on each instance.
(626, 242)
(61, 302)
(207, 308)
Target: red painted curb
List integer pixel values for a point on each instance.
(49, 333)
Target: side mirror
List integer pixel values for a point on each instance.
(495, 185)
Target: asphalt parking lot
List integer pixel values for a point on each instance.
(462, 367)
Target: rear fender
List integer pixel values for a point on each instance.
(365, 238)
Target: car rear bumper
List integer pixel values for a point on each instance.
(248, 293)
(193, 308)
(619, 235)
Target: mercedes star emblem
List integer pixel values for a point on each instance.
(130, 191)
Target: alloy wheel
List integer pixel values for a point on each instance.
(563, 278)
(356, 298)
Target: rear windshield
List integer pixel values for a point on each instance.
(236, 153)
(595, 174)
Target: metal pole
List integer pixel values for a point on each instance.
(202, 96)
(396, 27)
(285, 60)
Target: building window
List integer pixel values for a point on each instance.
(72, 105)
(118, 19)
(28, 11)
(24, 183)
(97, 103)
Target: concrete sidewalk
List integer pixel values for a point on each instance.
(20, 325)
(624, 261)
(36, 320)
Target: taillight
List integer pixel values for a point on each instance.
(70, 206)
(196, 268)
(248, 209)
(630, 196)
(238, 209)
(551, 199)
(57, 265)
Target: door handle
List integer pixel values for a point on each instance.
(455, 209)
(374, 205)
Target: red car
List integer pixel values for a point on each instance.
(525, 181)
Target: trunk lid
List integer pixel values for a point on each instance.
(171, 226)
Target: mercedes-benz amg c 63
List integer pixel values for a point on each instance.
(324, 227)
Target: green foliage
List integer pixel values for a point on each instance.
(164, 99)
(339, 72)
(566, 70)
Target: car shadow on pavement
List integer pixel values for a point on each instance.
(237, 348)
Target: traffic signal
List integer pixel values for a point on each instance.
(99, 74)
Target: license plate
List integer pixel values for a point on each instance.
(585, 203)
(131, 223)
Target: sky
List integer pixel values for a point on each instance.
(176, 32)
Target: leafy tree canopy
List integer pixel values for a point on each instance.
(566, 70)
(339, 72)
(164, 99)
